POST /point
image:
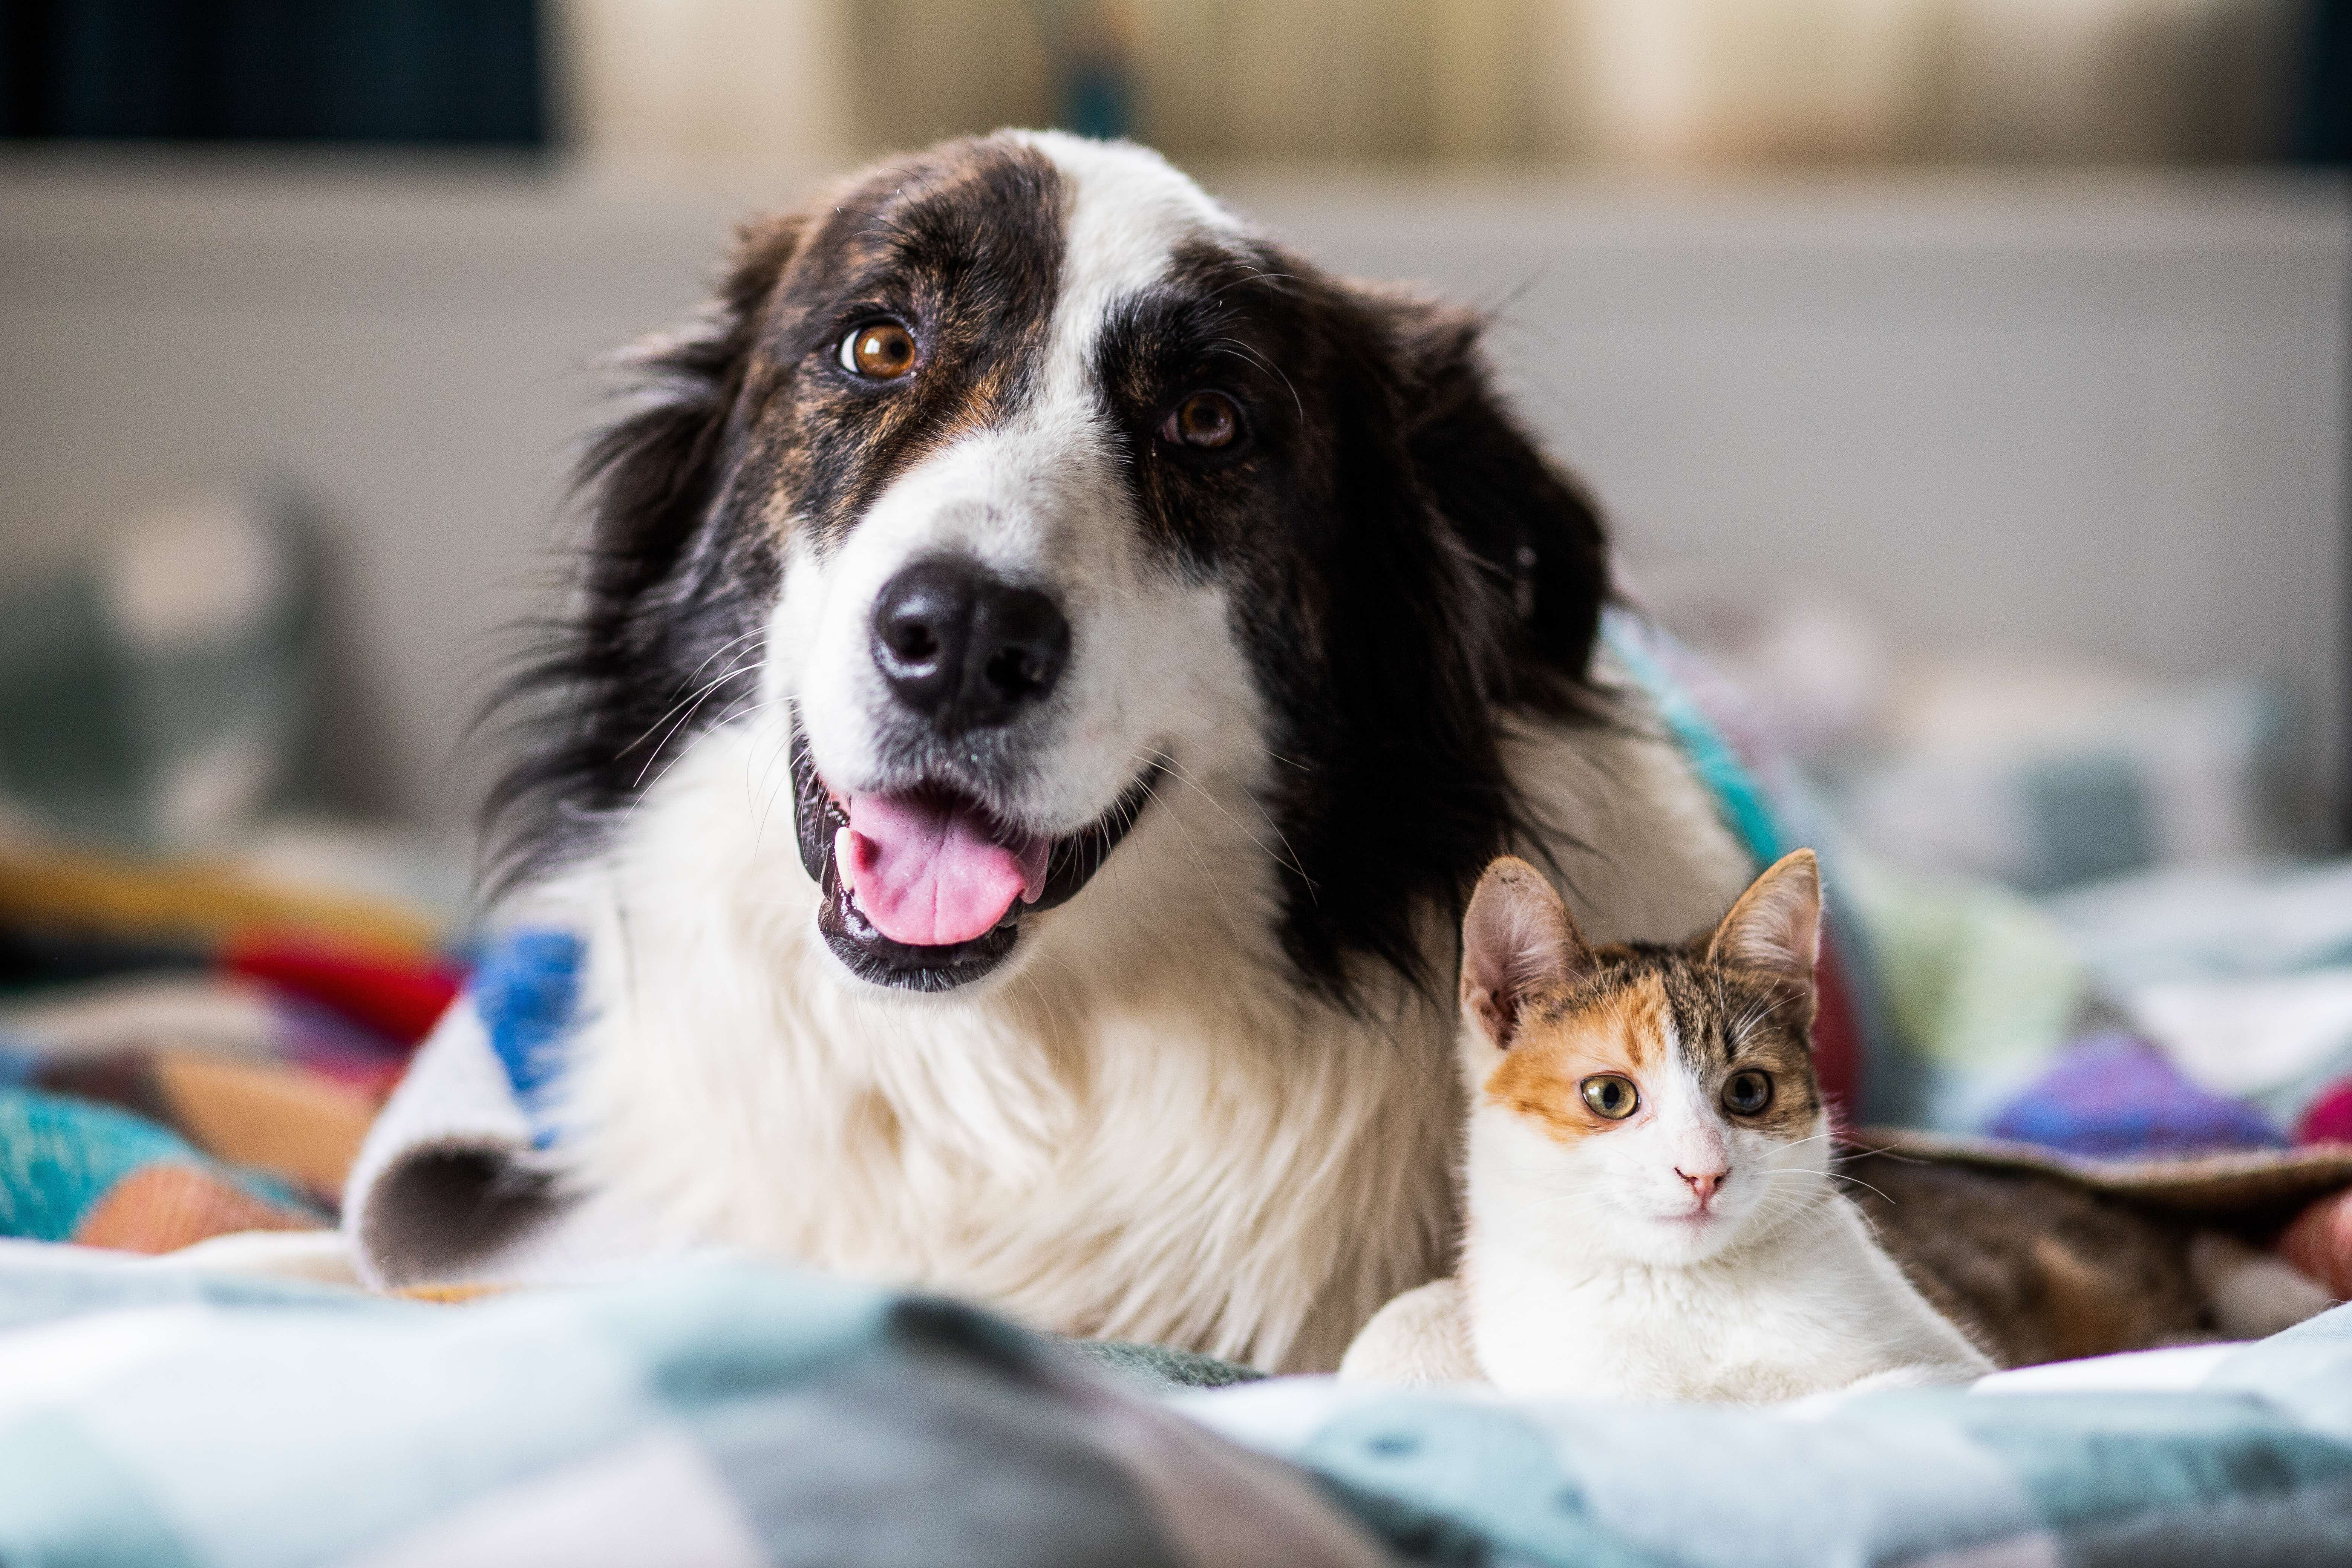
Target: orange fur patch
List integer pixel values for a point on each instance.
(1625, 1030)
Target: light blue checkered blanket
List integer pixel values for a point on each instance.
(727, 1413)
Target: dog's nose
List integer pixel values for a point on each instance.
(963, 647)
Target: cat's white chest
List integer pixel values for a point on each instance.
(1761, 1328)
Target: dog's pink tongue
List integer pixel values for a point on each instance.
(927, 872)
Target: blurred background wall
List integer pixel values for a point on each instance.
(1945, 365)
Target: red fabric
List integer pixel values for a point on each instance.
(1837, 1037)
(2319, 1243)
(2328, 1120)
(398, 1000)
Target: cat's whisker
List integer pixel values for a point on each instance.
(1857, 1181)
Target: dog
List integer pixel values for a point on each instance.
(1049, 667)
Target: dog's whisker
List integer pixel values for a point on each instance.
(733, 672)
(1183, 776)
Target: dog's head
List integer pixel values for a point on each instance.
(1019, 481)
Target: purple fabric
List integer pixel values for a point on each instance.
(2112, 1094)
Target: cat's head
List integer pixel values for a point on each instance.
(1659, 1102)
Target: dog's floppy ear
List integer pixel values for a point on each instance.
(654, 473)
(1531, 526)
(658, 594)
(1517, 939)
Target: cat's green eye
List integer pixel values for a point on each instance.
(1748, 1092)
(1610, 1096)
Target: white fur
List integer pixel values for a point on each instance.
(1586, 1273)
(2253, 1294)
(1141, 1127)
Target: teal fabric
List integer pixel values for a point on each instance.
(174, 1418)
(1641, 649)
(2253, 1466)
(59, 1157)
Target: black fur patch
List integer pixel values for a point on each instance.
(1403, 567)
(1404, 564)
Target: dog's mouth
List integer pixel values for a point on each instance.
(925, 889)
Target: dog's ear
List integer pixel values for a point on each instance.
(1518, 939)
(654, 473)
(658, 594)
(1532, 527)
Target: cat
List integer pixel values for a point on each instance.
(1651, 1212)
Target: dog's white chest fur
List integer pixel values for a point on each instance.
(1151, 1133)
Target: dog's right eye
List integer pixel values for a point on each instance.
(879, 350)
(1208, 420)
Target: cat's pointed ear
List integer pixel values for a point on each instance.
(1776, 926)
(1515, 939)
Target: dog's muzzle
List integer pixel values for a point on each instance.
(925, 889)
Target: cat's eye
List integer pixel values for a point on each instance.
(1208, 420)
(1610, 1096)
(879, 350)
(1748, 1092)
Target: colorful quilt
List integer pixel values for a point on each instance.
(719, 1415)
(185, 1052)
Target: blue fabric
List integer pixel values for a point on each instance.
(525, 988)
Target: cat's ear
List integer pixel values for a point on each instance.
(1776, 926)
(1515, 939)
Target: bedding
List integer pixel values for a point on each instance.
(723, 1413)
(187, 1050)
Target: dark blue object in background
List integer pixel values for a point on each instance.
(2322, 131)
(452, 73)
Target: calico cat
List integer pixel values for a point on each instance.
(1651, 1212)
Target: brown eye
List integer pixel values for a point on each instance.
(1610, 1096)
(1748, 1092)
(1205, 419)
(879, 350)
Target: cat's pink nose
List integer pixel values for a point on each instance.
(1703, 1182)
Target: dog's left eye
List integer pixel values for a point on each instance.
(879, 350)
(1207, 420)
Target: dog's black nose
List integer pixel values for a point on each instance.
(964, 647)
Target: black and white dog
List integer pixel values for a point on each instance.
(1052, 665)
